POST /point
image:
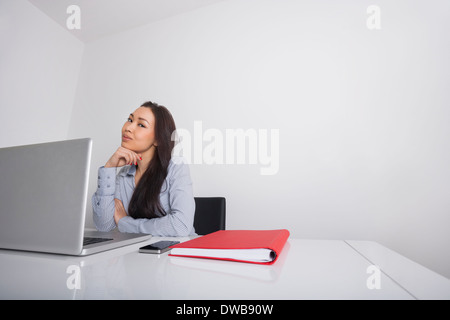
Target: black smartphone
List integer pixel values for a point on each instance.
(158, 247)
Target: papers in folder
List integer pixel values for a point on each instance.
(253, 246)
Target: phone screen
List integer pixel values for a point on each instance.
(158, 247)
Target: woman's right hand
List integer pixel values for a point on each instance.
(123, 157)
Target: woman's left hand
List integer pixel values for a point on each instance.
(119, 212)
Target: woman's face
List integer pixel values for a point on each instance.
(138, 133)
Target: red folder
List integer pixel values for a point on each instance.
(252, 246)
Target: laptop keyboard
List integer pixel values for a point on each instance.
(90, 240)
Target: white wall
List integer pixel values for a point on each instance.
(39, 66)
(362, 114)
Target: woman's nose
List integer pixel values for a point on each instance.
(128, 127)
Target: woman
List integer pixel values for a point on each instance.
(152, 193)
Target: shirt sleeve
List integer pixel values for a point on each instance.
(179, 221)
(103, 199)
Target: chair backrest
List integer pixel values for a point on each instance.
(209, 214)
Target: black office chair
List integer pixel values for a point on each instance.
(209, 215)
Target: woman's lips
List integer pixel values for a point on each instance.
(126, 138)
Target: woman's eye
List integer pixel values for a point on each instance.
(129, 120)
(141, 125)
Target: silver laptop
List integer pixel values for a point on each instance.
(43, 197)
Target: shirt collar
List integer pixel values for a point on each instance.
(130, 171)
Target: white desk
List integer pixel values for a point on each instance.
(306, 269)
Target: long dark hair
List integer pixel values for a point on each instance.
(145, 200)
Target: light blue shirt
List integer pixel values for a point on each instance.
(176, 198)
